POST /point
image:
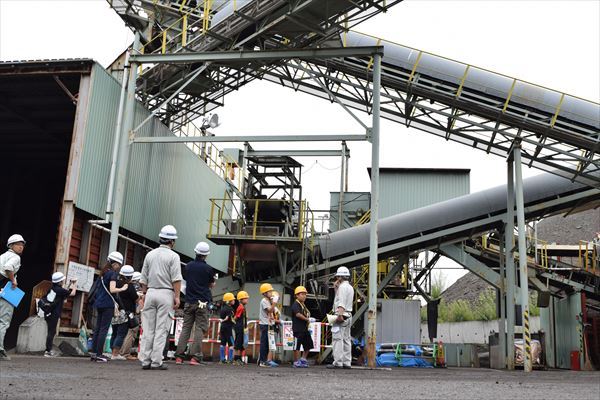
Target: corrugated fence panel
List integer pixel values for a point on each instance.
(405, 190)
(167, 183)
(567, 336)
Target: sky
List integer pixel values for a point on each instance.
(552, 43)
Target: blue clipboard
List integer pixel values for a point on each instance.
(13, 296)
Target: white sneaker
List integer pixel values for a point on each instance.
(118, 357)
(51, 353)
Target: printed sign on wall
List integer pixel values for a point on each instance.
(83, 274)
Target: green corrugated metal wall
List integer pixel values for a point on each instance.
(566, 333)
(403, 190)
(167, 183)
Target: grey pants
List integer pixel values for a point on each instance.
(6, 313)
(128, 341)
(342, 344)
(155, 325)
(192, 314)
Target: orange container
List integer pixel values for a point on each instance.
(575, 364)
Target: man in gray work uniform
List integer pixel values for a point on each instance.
(161, 283)
(340, 330)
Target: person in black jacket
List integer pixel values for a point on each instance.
(126, 300)
(57, 296)
(200, 279)
(226, 331)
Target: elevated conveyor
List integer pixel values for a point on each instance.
(453, 220)
(559, 133)
(174, 27)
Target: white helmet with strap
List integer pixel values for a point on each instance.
(202, 248)
(16, 238)
(127, 270)
(168, 232)
(115, 256)
(343, 271)
(58, 277)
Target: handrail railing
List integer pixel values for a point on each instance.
(228, 213)
(589, 252)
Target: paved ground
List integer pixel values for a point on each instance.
(28, 377)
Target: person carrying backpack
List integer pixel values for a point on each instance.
(56, 296)
(105, 305)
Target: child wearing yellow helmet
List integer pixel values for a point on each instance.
(300, 323)
(265, 321)
(226, 331)
(240, 327)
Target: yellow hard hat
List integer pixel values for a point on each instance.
(265, 287)
(242, 295)
(228, 297)
(300, 289)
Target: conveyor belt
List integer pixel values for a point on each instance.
(456, 219)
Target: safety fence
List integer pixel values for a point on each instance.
(321, 334)
(244, 217)
(537, 253)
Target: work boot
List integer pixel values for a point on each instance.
(197, 360)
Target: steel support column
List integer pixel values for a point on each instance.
(524, 293)
(509, 230)
(502, 306)
(118, 128)
(341, 196)
(125, 149)
(372, 314)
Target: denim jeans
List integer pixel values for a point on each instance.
(101, 329)
(118, 335)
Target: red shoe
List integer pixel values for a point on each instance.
(194, 362)
(178, 360)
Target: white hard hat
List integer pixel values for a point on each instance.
(343, 271)
(168, 232)
(202, 248)
(136, 276)
(115, 256)
(58, 277)
(331, 319)
(127, 270)
(16, 238)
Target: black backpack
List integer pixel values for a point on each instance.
(46, 305)
(94, 291)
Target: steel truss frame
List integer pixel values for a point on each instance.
(290, 29)
(566, 150)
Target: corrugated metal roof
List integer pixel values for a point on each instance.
(46, 66)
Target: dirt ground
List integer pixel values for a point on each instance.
(29, 377)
